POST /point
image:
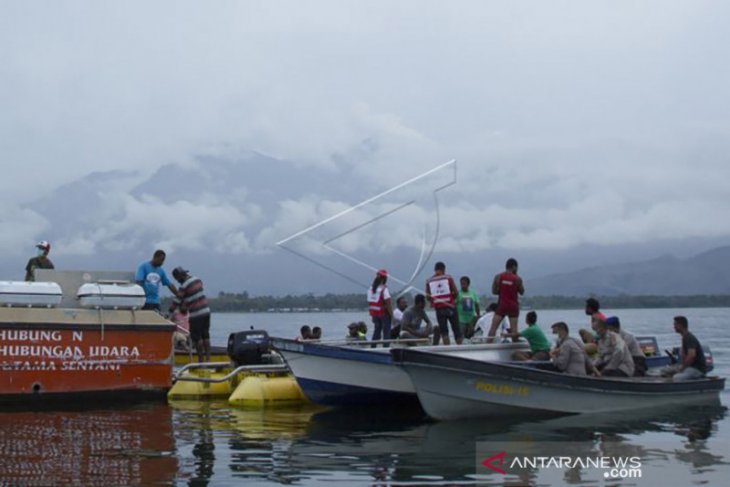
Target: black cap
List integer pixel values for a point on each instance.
(178, 272)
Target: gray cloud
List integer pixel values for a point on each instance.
(574, 124)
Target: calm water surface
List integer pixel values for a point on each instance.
(209, 443)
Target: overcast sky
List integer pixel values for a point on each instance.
(572, 122)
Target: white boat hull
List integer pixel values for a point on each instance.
(345, 375)
(455, 391)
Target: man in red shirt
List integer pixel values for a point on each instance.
(507, 286)
(441, 292)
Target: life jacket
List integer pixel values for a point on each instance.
(376, 301)
(439, 287)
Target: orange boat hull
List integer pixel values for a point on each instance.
(84, 353)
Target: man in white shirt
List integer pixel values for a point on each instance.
(485, 322)
(401, 304)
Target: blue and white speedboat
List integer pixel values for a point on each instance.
(353, 374)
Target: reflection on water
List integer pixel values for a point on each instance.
(309, 446)
(132, 446)
(203, 443)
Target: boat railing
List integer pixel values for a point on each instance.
(365, 343)
(182, 376)
(411, 342)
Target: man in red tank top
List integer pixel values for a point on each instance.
(507, 286)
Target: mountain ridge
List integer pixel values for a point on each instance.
(705, 273)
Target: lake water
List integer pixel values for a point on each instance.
(209, 443)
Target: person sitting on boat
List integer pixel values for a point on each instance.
(401, 304)
(356, 333)
(316, 333)
(305, 333)
(589, 342)
(182, 332)
(412, 319)
(569, 356)
(593, 310)
(40, 261)
(614, 324)
(539, 344)
(150, 275)
(482, 326)
(692, 363)
(614, 359)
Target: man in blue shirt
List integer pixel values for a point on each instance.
(150, 275)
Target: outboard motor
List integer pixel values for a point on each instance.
(708, 358)
(248, 347)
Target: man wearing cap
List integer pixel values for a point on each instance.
(380, 306)
(191, 294)
(40, 261)
(150, 275)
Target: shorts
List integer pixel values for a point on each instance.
(510, 311)
(444, 316)
(540, 355)
(639, 366)
(200, 328)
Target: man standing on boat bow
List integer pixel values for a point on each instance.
(507, 286)
(441, 292)
(380, 306)
(150, 275)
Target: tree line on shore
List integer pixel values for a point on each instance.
(356, 301)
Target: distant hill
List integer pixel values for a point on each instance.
(705, 273)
